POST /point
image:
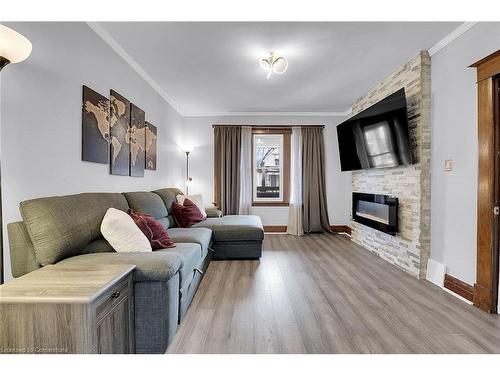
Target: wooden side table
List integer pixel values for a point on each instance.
(69, 309)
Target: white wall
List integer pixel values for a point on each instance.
(197, 131)
(454, 136)
(41, 119)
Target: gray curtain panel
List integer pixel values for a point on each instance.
(315, 213)
(227, 149)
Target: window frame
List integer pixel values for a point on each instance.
(285, 167)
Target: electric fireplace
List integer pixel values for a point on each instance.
(376, 211)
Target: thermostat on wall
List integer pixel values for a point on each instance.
(448, 165)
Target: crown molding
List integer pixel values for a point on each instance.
(459, 31)
(289, 114)
(102, 32)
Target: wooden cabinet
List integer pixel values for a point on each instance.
(65, 309)
(114, 329)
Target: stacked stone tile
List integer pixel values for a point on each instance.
(410, 249)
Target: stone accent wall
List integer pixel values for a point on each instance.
(410, 249)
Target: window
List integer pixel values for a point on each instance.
(271, 167)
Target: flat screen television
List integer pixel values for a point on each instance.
(377, 137)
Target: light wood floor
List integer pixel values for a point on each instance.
(325, 294)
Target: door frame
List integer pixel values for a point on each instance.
(488, 194)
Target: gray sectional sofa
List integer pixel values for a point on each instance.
(66, 229)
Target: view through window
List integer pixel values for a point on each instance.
(268, 167)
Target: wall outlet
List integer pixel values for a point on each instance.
(448, 165)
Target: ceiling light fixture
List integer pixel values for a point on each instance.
(274, 64)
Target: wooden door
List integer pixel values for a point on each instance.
(488, 200)
(496, 250)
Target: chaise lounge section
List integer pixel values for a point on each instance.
(233, 236)
(66, 230)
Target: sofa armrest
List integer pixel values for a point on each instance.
(213, 212)
(22, 253)
(150, 266)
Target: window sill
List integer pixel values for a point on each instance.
(270, 204)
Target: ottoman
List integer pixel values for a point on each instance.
(235, 236)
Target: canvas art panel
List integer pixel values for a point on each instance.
(119, 134)
(137, 141)
(95, 127)
(151, 143)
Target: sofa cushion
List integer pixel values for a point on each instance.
(152, 266)
(201, 236)
(99, 245)
(169, 196)
(186, 214)
(120, 230)
(190, 255)
(234, 228)
(153, 230)
(150, 204)
(61, 227)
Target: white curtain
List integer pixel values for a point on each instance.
(295, 209)
(246, 171)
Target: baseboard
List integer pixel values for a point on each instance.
(275, 228)
(282, 229)
(341, 229)
(459, 287)
(458, 296)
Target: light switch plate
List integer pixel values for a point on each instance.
(448, 165)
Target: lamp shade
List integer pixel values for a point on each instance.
(187, 148)
(13, 46)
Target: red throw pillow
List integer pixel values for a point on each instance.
(186, 214)
(153, 230)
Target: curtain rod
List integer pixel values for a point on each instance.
(272, 126)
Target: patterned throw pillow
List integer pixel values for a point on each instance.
(186, 214)
(153, 230)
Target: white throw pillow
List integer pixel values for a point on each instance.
(119, 229)
(197, 199)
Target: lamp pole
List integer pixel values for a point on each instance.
(187, 173)
(3, 63)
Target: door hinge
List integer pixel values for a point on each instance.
(496, 210)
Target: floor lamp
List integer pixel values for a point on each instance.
(14, 48)
(189, 179)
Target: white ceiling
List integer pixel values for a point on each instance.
(213, 68)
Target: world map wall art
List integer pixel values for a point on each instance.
(115, 131)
